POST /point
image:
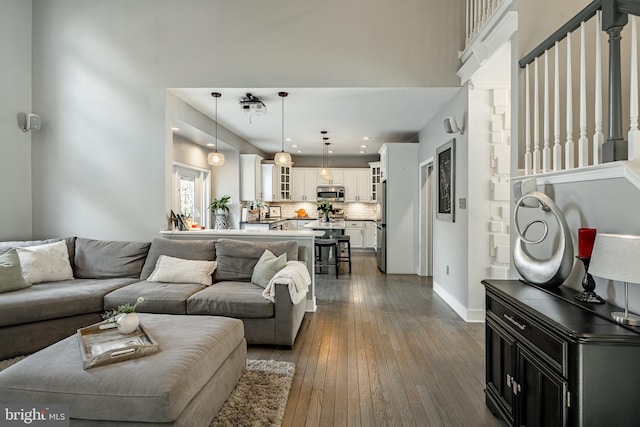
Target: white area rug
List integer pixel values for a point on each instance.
(259, 399)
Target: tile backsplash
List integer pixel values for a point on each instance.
(351, 210)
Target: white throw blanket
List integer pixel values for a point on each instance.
(296, 276)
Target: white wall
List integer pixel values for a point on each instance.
(101, 69)
(450, 245)
(15, 146)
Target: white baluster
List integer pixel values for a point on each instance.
(536, 120)
(546, 152)
(598, 135)
(634, 133)
(569, 146)
(557, 148)
(527, 125)
(467, 21)
(583, 141)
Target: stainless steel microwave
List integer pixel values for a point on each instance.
(330, 193)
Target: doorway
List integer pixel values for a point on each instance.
(425, 262)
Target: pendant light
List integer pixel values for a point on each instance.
(282, 158)
(215, 158)
(324, 171)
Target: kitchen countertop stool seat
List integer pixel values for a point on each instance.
(326, 253)
(344, 253)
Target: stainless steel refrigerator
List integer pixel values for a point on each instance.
(382, 229)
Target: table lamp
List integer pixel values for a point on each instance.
(586, 239)
(615, 257)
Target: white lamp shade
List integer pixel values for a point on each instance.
(616, 257)
(282, 159)
(215, 159)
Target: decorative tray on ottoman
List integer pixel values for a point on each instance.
(102, 344)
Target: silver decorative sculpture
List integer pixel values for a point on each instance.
(551, 272)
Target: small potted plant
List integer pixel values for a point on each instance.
(220, 209)
(324, 208)
(124, 317)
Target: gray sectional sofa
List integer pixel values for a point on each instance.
(110, 273)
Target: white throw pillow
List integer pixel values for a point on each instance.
(177, 270)
(45, 263)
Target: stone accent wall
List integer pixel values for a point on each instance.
(500, 250)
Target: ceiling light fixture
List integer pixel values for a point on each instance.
(363, 146)
(366, 138)
(215, 158)
(282, 158)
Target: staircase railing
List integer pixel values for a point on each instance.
(541, 154)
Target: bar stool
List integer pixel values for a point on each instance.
(326, 245)
(341, 243)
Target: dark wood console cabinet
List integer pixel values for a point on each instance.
(553, 361)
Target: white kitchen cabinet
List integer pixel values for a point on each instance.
(375, 181)
(355, 229)
(276, 183)
(303, 184)
(384, 163)
(337, 177)
(370, 234)
(293, 224)
(356, 185)
(250, 177)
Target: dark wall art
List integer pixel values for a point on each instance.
(446, 167)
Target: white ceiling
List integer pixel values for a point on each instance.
(348, 114)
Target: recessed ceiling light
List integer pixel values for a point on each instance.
(361, 151)
(287, 139)
(175, 128)
(363, 146)
(211, 144)
(294, 146)
(299, 151)
(330, 151)
(366, 138)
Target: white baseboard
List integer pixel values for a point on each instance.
(471, 316)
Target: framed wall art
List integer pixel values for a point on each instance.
(446, 181)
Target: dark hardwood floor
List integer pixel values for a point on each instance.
(384, 350)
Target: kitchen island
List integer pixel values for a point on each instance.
(305, 239)
(331, 228)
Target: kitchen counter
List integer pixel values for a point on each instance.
(331, 225)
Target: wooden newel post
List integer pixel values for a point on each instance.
(615, 148)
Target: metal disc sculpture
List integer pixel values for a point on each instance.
(550, 272)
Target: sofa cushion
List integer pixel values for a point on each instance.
(202, 250)
(237, 259)
(55, 300)
(167, 298)
(45, 263)
(103, 259)
(231, 299)
(11, 272)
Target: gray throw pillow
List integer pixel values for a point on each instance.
(267, 267)
(11, 272)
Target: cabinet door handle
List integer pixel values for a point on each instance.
(509, 380)
(514, 322)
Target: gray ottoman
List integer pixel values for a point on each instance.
(199, 363)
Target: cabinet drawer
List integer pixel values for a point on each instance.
(544, 343)
(354, 224)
